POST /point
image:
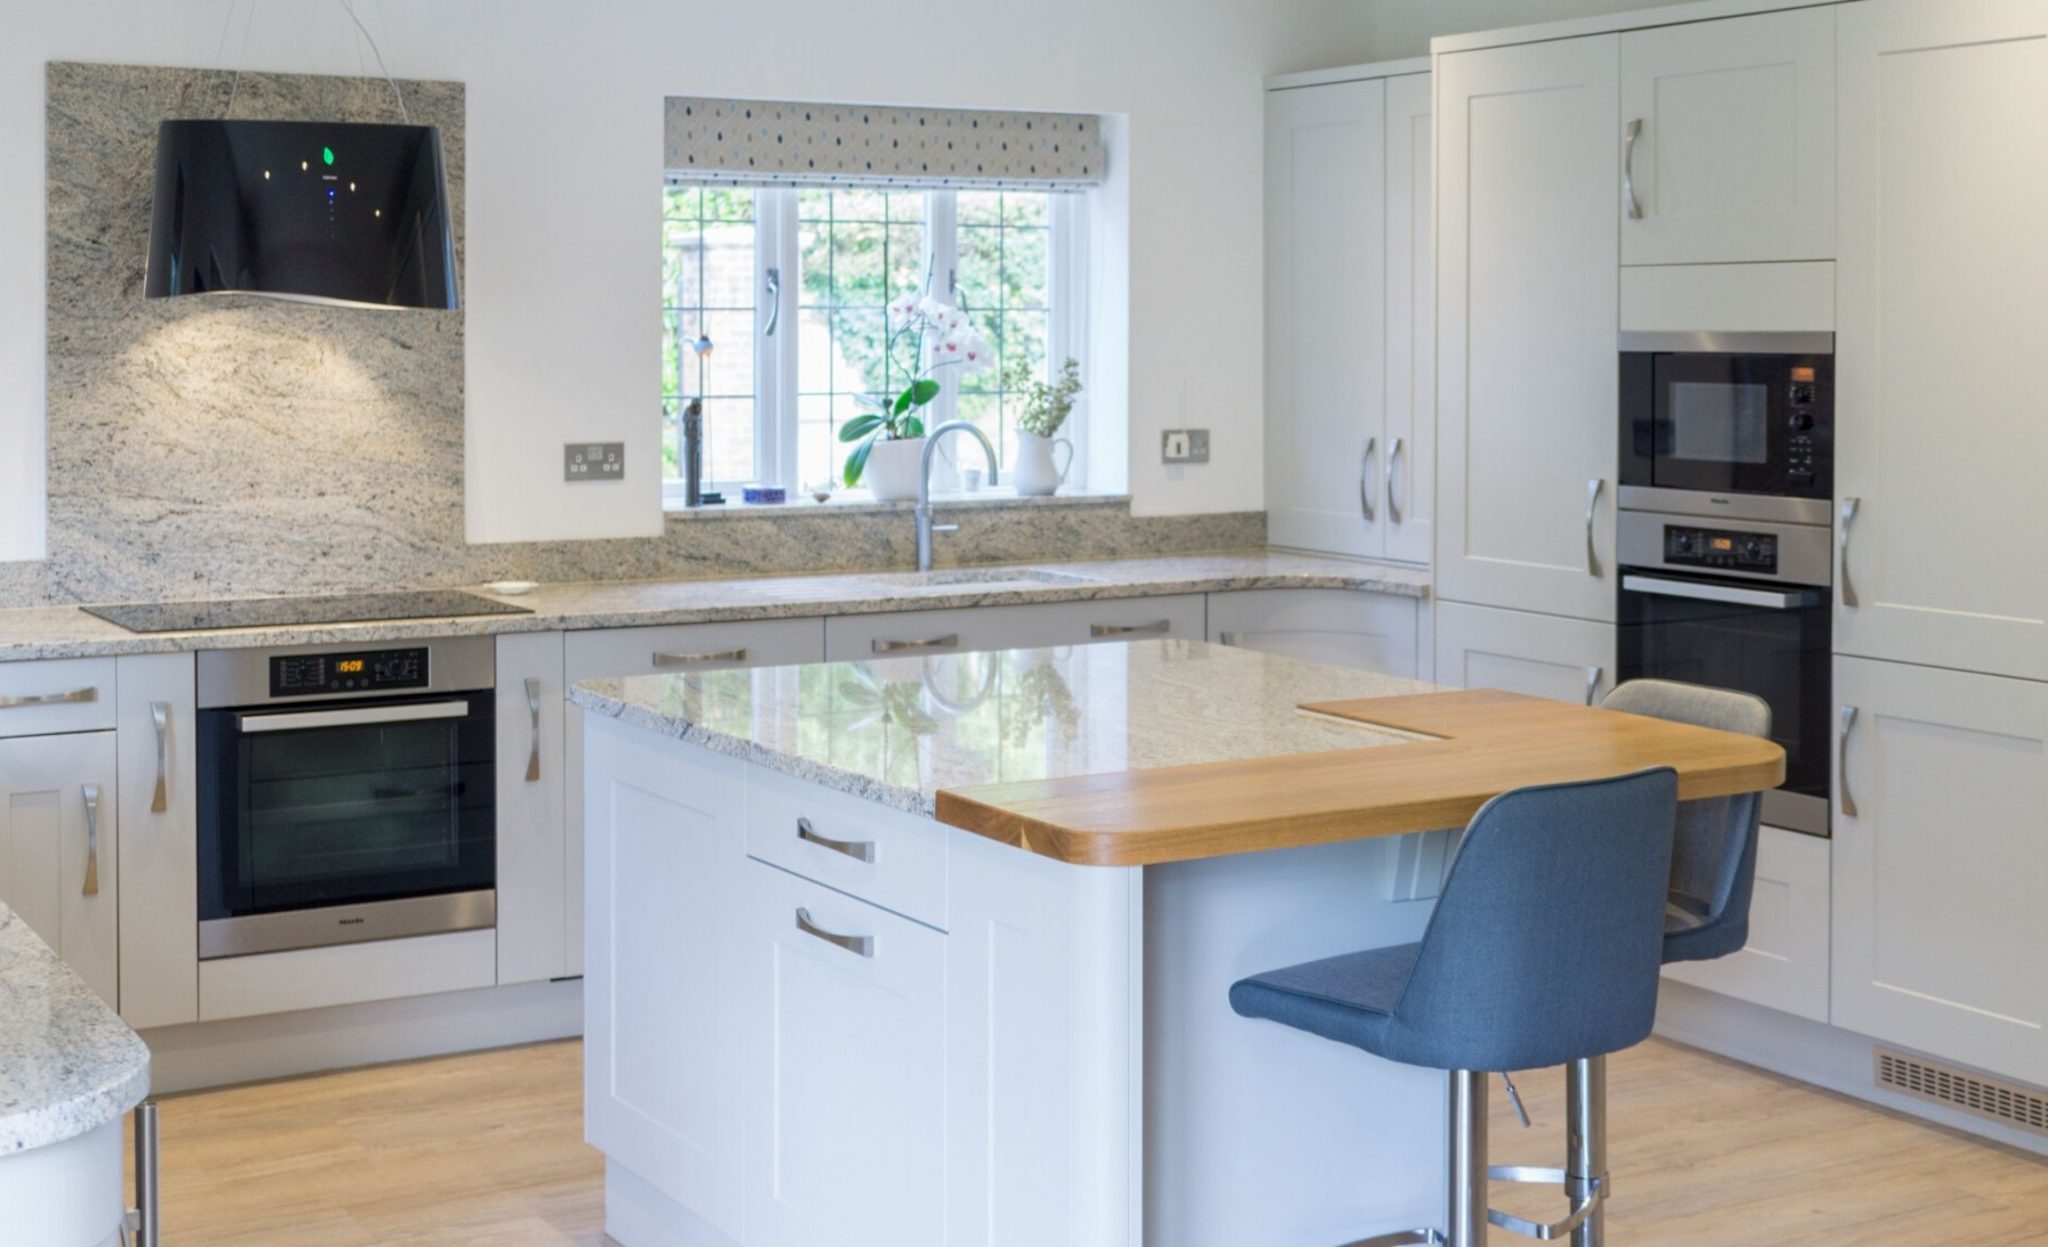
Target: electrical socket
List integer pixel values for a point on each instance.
(1184, 446)
(593, 461)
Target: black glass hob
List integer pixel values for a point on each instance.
(288, 612)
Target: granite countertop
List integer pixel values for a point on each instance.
(68, 1064)
(67, 632)
(898, 730)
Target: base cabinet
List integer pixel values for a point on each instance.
(1785, 964)
(1370, 631)
(59, 861)
(1539, 655)
(1940, 847)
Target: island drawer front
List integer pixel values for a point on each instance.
(56, 695)
(682, 648)
(890, 859)
(922, 634)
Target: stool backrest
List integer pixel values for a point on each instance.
(1545, 945)
(1713, 862)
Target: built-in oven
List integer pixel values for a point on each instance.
(1729, 414)
(346, 794)
(1739, 602)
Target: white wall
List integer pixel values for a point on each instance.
(565, 136)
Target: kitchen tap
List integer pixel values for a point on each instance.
(925, 527)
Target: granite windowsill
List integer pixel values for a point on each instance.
(991, 498)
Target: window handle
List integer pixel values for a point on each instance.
(774, 302)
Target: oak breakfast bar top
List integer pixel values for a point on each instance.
(1126, 754)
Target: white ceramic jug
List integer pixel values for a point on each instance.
(1034, 474)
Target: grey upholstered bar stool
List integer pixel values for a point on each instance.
(1543, 950)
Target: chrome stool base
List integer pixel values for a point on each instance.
(1403, 1238)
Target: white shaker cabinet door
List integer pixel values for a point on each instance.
(1538, 655)
(846, 1083)
(533, 853)
(1527, 313)
(1325, 317)
(58, 856)
(1728, 140)
(1941, 843)
(158, 735)
(1942, 353)
(1785, 964)
(1409, 496)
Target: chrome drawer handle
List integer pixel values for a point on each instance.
(533, 709)
(1372, 445)
(860, 945)
(73, 697)
(1156, 626)
(1592, 683)
(1849, 506)
(1629, 203)
(1842, 760)
(91, 793)
(1226, 637)
(949, 641)
(1593, 488)
(1393, 468)
(858, 850)
(160, 715)
(692, 660)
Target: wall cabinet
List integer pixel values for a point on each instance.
(1728, 140)
(1348, 317)
(1939, 850)
(1785, 964)
(159, 839)
(854, 638)
(1370, 631)
(1526, 323)
(533, 846)
(59, 850)
(1539, 655)
(1943, 523)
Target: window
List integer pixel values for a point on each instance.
(776, 389)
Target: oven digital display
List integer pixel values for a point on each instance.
(1721, 548)
(376, 671)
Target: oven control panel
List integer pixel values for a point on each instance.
(372, 671)
(1723, 548)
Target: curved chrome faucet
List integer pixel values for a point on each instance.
(925, 527)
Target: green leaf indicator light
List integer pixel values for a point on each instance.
(327, 154)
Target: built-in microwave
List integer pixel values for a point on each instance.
(1728, 413)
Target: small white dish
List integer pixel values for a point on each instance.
(512, 588)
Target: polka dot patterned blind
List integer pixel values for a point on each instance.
(756, 143)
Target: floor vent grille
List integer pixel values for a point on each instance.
(1973, 1093)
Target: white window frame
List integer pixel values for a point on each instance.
(776, 247)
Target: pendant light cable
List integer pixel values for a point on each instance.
(241, 57)
(348, 7)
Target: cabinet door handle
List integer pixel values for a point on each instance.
(1593, 488)
(1372, 445)
(1156, 626)
(91, 793)
(1226, 637)
(160, 715)
(949, 641)
(858, 850)
(1629, 204)
(693, 660)
(533, 709)
(1592, 683)
(1849, 506)
(1393, 467)
(1842, 760)
(860, 945)
(71, 697)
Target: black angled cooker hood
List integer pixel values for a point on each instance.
(321, 212)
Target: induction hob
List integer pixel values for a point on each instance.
(301, 611)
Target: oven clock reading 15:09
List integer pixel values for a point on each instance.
(373, 671)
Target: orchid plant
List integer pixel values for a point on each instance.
(940, 336)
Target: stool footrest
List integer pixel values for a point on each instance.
(1402, 1238)
(1594, 1191)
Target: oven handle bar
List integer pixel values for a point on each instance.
(352, 717)
(1769, 599)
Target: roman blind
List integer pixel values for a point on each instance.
(756, 143)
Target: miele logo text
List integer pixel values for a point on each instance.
(351, 922)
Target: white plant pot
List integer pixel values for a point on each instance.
(1034, 474)
(892, 469)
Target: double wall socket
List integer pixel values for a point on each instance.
(1184, 446)
(594, 461)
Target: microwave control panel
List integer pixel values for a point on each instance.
(1720, 548)
(372, 671)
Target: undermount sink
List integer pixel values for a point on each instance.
(976, 577)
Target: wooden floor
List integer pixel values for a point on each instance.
(488, 1149)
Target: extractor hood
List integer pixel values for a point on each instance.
(340, 213)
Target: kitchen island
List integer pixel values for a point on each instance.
(936, 950)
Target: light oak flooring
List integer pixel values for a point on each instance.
(488, 1149)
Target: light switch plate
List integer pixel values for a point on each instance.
(1184, 446)
(593, 461)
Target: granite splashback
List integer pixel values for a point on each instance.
(210, 447)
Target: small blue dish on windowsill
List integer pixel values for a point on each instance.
(765, 495)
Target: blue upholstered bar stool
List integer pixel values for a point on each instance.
(1543, 950)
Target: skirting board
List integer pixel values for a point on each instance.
(1824, 1056)
(284, 1045)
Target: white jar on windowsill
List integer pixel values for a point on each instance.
(1035, 475)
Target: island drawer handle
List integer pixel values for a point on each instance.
(533, 709)
(91, 793)
(949, 641)
(1842, 760)
(858, 850)
(691, 660)
(860, 945)
(160, 715)
(1157, 625)
(24, 700)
